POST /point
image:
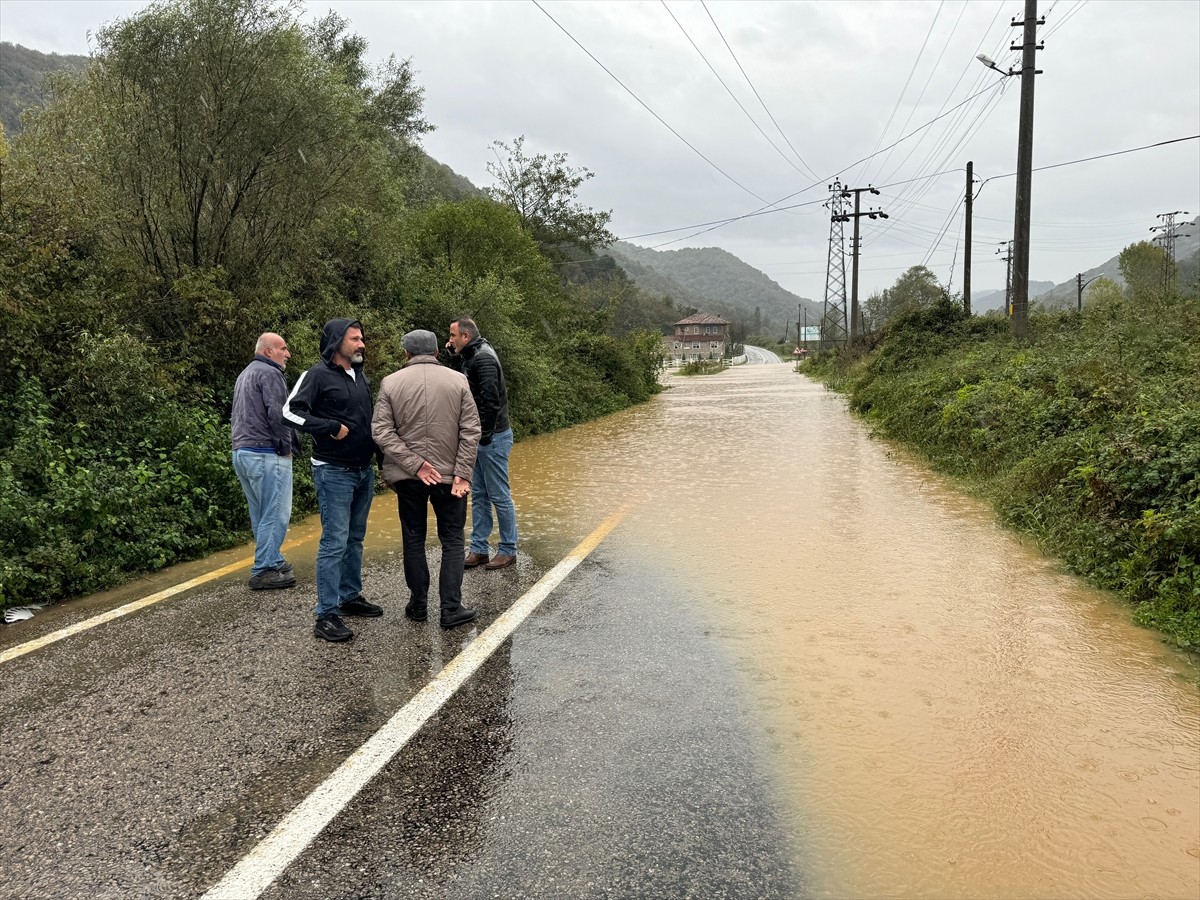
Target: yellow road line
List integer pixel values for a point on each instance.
(87, 624)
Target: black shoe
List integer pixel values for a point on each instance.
(460, 616)
(286, 568)
(331, 628)
(272, 579)
(357, 606)
(418, 612)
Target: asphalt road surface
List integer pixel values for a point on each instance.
(757, 356)
(599, 752)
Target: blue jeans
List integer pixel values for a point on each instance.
(489, 487)
(266, 480)
(344, 496)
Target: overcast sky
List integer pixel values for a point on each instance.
(837, 81)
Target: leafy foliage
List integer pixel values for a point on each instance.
(221, 169)
(1087, 437)
(543, 191)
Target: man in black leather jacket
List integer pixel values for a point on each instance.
(475, 358)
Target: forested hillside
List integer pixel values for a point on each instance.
(1187, 259)
(22, 79)
(153, 223)
(715, 281)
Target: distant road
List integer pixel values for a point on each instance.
(757, 356)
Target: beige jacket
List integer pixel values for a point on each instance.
(425, 412)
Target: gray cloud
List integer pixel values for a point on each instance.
(1117, 75)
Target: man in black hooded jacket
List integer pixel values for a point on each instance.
(332, 402)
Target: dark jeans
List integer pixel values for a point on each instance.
(413, 497)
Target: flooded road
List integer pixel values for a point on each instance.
(801, 666)
(948, 714)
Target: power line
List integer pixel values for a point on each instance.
(756, 93)
(904, 89)
(726, 221)
(1066, 17)
(720, 222)
(952, 128)
(1072, 162)
(643, 104)
(917, 103)
(825, 180)
(782, 155)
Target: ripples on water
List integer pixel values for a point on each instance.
(950, 715)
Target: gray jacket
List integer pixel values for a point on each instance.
(425, 413)
(257, 418)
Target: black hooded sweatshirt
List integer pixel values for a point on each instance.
(327, 397)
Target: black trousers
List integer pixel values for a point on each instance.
(413, 497)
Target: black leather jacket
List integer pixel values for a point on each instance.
(479, 362)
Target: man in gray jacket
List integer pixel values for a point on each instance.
(262, 458)
(427, 426)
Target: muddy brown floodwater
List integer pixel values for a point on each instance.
(949, 714)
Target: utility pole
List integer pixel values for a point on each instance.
(833, 321)
(855, 321)
(1167, 239)
(967, 239)
(805, 332)
(1080, 284)
(1006, 247)
(1022, 212)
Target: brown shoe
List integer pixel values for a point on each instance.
(475, 559)
(499, 561)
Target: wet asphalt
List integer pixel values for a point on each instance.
(603, 751)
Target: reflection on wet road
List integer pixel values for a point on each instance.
(801, 666)
(949, 715)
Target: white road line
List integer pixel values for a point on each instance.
(267, 861)
(45, 640)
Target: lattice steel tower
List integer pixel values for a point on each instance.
(834, 331)
(1169, 231)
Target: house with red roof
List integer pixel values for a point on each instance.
(700, 336)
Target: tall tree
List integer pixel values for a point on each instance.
(543, 190)
(917, 288)
(214, 133)
(1144, 268)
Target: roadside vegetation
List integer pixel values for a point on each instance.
(220, 169)
(1086, 437)
(703, 367)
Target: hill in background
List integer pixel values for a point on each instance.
(713, 280)
(22, 79)
(1187, 261)
(985, 300)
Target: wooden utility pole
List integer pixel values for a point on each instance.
(1022, 212)
(970, 197)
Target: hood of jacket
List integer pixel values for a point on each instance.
(332, 335)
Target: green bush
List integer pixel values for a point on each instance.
(77, 516)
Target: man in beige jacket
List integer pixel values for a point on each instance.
(427, 426)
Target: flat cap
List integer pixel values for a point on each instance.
(420, 343)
